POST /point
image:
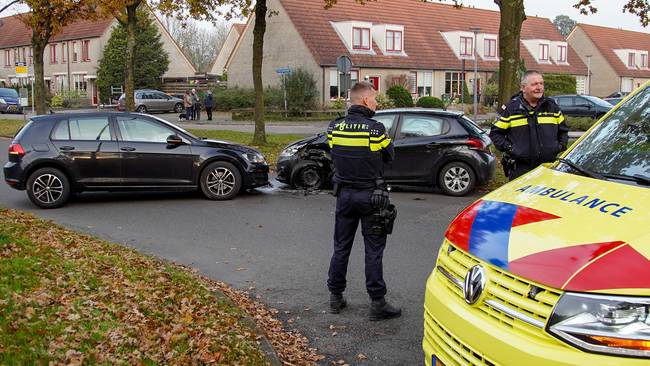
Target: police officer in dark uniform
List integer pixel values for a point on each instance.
(531, 129)
(360, 146)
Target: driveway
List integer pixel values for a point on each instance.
(277, 243)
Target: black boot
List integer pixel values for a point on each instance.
(380, 310)
(337, 303)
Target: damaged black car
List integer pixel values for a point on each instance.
(433, 148)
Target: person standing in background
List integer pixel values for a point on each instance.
(209, 103)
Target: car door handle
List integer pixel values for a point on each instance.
(127, 148)
(66, 148)
(433, 145)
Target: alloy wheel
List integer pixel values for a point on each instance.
(457, 179)
(221, 181)
(47, 188)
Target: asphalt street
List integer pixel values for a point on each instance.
(276, 243)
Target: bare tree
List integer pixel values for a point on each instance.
(201, 43)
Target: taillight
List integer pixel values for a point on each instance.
(476, 144)
(16, 150)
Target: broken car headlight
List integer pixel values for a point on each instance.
(291, 150)
(615, 325)
(254, 157)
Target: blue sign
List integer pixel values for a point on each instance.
(283, 70)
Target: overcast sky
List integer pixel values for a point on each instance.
(610, 12)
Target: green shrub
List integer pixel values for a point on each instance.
(430, 102)
(399, 96)
(233, 98)
(56, 102)
(467, 97)
(273, 97)
(579, 123)
(555, 84)
(338, 103)
(383, 102)
(302, 92)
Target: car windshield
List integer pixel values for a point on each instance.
(8, 93)
(597, 101)
(620, 146)
(473, 126)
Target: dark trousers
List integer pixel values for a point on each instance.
(520, 169)
(353, 206)
(189, 113)
(197, 112)
(208, 110)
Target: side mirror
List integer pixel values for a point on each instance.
(174, 140)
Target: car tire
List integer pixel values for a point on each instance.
(308, 176)
(456, 179)
(220, 181)
(178, 108)
(48, 188)
(141, 109)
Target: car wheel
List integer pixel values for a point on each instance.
(48, 188)
(456, 179)
(220, 181)
(178, 108)
(141, 109)
(308, 176)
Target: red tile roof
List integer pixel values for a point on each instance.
(423, 21)
(609, 39)
(16, 33)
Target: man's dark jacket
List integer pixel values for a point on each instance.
(360, 147)
(530, 135)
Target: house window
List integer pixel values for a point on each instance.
(561, 53)
(334, 84)
(354, 77)
(31, 56)
(85, 56)
(7, 58)
(413, 82)
(453, 85)
(53, 54)
(361, 38)
(490, 48)
(543, 52)
(63, 52)
(424, 83)
(394, 41)
(466, 46)
(75, 52)
(16, 54)
(79, 82)
(631, 59)
(24, 55)
(644, 61)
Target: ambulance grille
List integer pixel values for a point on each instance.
(448, 348)
(511, 301)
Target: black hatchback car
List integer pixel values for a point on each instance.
(432, 148)
(57, 154)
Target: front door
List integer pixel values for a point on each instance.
(374, 80)
(147, 159)
(89, 146)
(417, 147)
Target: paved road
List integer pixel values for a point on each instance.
(277, 243)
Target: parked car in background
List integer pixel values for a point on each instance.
(618, 94)
(433, 148)
(10, 101)
(613, 101)
(148, 100)
(57, 154)
(582, 105)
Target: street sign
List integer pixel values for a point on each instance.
(344, 64)
(21, 70)
(283, 70)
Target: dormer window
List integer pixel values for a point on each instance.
(393, 41)
(631, 59)
(361, 38)
(561, 53)
(543, 52)
(490, 48)
(644, 61)
(466, 44)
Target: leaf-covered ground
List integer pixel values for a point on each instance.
(68, 298)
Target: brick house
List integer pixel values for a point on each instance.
(617, 58)
(71, 57)
(424, 43)
(219, 63)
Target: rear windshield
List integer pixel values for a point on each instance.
(473, 127)
(620, 145)
(8, 93)
(597, 101)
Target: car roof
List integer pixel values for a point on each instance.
(421, 110)
(85, 114)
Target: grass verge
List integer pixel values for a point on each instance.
(68, 298)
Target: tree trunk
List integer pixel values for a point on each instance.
(512, 17)
(39, 78)
(129, 83)
(258, 53)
